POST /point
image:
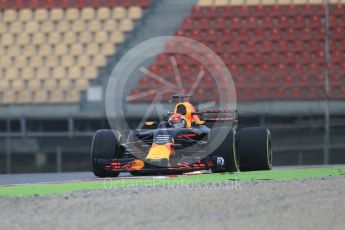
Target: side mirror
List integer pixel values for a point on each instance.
(193, 124)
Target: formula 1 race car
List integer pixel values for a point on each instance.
(183, 143)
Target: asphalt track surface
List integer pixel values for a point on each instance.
(301, 204)
(47, 177)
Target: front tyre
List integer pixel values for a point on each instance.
(224, 150)
(255, 149)
(104, 146)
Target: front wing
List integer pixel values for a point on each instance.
(134, 164)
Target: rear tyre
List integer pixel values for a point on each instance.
(104, 146)
(225, 152)
(255, 150)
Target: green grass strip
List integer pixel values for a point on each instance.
(282, 174)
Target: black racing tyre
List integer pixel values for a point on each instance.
(255, 149)
(225, 151)
(105, 145)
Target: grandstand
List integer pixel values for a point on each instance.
(286, 58)
(274, 50)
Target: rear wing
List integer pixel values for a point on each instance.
(222, 115)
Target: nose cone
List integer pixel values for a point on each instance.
(158, 152)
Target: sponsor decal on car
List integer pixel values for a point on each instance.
(134, 165)
(220, 161)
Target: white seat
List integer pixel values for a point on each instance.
(85, 37)
(103, 13)
(47, 27)
(41, 15)
(72, 14)
(51, 61)
(25, 15)
(23, 39)
(16, 27)
(56, 14)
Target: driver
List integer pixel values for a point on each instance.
(177, 120)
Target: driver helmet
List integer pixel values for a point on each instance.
(176, 118)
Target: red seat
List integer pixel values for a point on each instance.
(298, 22)
(295, 93)
(78, 3)
(249, 71)
(320, 57)
(220, 24)
(315, 22)
(197, 12)
(282, 46)
(244, 11)
(162, 59)
(219, 47)
(242, 35)
(306, 34)
(296, 69)
(250, 23)
(315, 69)
(319, 79)
(127, 3)
(265, 46)
(203, 24)
(303, 80)
(249, 47)
(257, 58)
(258, 34)
(4, 4)
(288, 80)
(319, 10)
(305, 58)
(291, 10)
(332, 21)
(275, 10)
(234, 47)
(267, 22)
(234, 70)
(279, 93)
(211, 36)
(338, 33)
(18, 4)
(188, 24)
(281, 70)
(213, 12)
(337, 79)
(315, 46)
(265, 70)
(307, 10)
(144, 3)
(260, 11)
(283, 22)
(181, 33)
(320, 34)
(274, 34)
(297, 46)
(341, 68)
(342, 45)
(337, 57)
(291, 34)
(64, 4)
(229, 11)
(240, 58)
(337, 9)
(195, 34)
(34, 4)
(235, 23)
(289, 58)
(273, 58)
